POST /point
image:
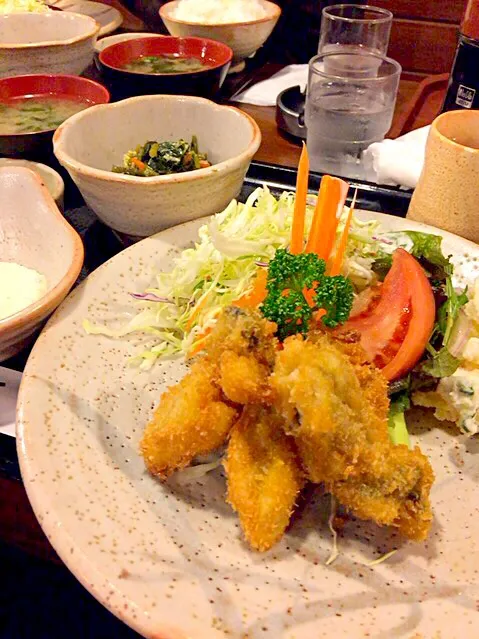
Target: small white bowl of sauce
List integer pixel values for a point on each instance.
(41, 256)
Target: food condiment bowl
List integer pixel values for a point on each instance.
(244, 38)
(215, 59)
(38, 144)
(50, 178)
(91, 142)
(50, 42)
(36, 235)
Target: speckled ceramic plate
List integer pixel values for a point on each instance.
(107, 17)
(168, 559)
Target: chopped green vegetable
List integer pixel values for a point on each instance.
(400, 403)
(289, 278)
(163, 158)
(165, 63)
(397, 429)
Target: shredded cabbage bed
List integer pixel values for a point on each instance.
(182, 305)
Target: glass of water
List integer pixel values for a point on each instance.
(355, 28)
(347, 108)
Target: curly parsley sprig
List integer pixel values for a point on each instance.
(297, 287)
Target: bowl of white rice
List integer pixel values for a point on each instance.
(244, 25)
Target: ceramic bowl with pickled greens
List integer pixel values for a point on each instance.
(33, 106)
(165, 180)
(182, 66)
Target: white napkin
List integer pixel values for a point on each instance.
(265, 93)
(8, 400)
(398, 162)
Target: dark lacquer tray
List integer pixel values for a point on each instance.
(101, 244)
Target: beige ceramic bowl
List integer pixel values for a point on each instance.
(50, 178)
(34, 233)
(447, 192)
(51, 42)
(91, 142)
(245, 38)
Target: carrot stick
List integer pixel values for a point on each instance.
(331, 197)
(343, 241)
(200, 344)
(257, 295)
(194, 314)
(297, 231)
(320, 214)
(139, 164)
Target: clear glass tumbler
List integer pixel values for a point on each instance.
(348, 108)
(355, 28)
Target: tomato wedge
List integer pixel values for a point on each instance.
(395, 332)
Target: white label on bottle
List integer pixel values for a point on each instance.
(465, 96)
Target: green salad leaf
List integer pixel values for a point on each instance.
(425, 247)
(441, 364)
(448, 312)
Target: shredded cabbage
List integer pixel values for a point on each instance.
(334, 549)
(22, 6)
(182, 305)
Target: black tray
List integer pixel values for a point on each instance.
(101, 244)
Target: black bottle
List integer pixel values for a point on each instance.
(463, 87)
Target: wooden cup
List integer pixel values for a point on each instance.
(447, 194)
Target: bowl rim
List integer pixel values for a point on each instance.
(183, 74)
(167, 7)
(92, 32)
(101, 174)
(125, 37)
(75, 78)
(19, 163)
(41, 307)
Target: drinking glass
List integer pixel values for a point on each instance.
(348, 108)
(355, 28)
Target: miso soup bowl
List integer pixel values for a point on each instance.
(89, 143)
(215, 57)
(38, 145)
(49, 42)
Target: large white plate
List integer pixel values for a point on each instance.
(168, 558)
(107, 17)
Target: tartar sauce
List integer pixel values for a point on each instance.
(19, 287)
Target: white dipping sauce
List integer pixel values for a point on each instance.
(19, 287)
